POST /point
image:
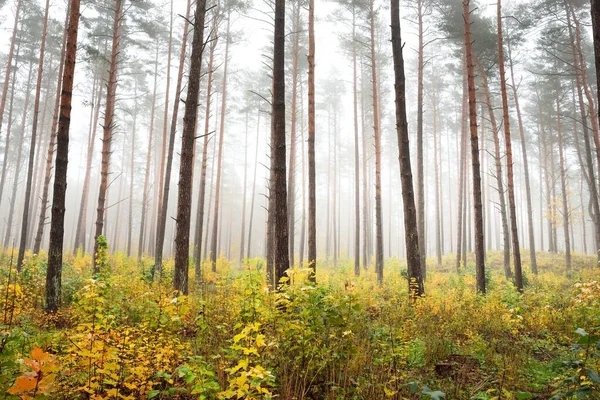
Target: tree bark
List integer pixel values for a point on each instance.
(243, 229)
(34, 124)
(9, 63)
(377, 134)
(509, 158)
(9, 128)
(477, 203)
(214, 253)
(420, 166)
(184, 199)
(80, 230)
(162, 223)
(132, 173)
(356, 159)
(312, 198)
(293, 134)
(563, 184)
(145, 199)
(53, 274)
(13, 196)
(249, 248)
(107, 128)
(413, 259)
(499, 175)
(278, 206)
(532, 256)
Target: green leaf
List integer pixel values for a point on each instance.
(153, 393)
(593, 375)
(523, 395)
(433, 395)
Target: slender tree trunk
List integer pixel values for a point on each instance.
(13, 196)
(461, 178)
(563, 184)
(303, 223)
(312, 198)
(438, 214)
(131, 174)
(162, 223)
(356, 159)
(9, 128)
(336, 233)
(53, 274)
(420, 166)
(184, 199)
(499, 175)
(202, 189)
(413, 259)
(34, 124)
(43, 147)
(243, 230)
(477, 203)
(80, 231)
(532, 256)
(365, 182)
(210, 195)
(249, 253)
(53, 132)
(145, 199)
(377, 134)
(293, 135)
(214, 254)
(107, 128)
(278, 195)
(9, 62)
(163, 153)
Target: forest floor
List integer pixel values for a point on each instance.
(120, 336)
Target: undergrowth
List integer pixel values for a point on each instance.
(121, 336)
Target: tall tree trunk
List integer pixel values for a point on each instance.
(312, 198)
(53, 274)
(420, 166)
(243, 230)
(413, 259)
(37, 170)
(162, 223)
(304, 172)
(9, 128)
(80, 230)
(132, 173)
(249, 247)
(477, 203)
(509, 158)
(9, 62)
(50, 153)
(214, 254)
(356, 159)
(293, 135)
(580, 74)
(107, 128)
(145, 193)
(532, 257)
(163, 152)
(278, 195)
(210, 194)
(461, 178)
(563, 184)
(34, 124)
(202, 189)
(499, 175)
(13, 196)
(377, 134)
(438, 214)
(184, 199)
